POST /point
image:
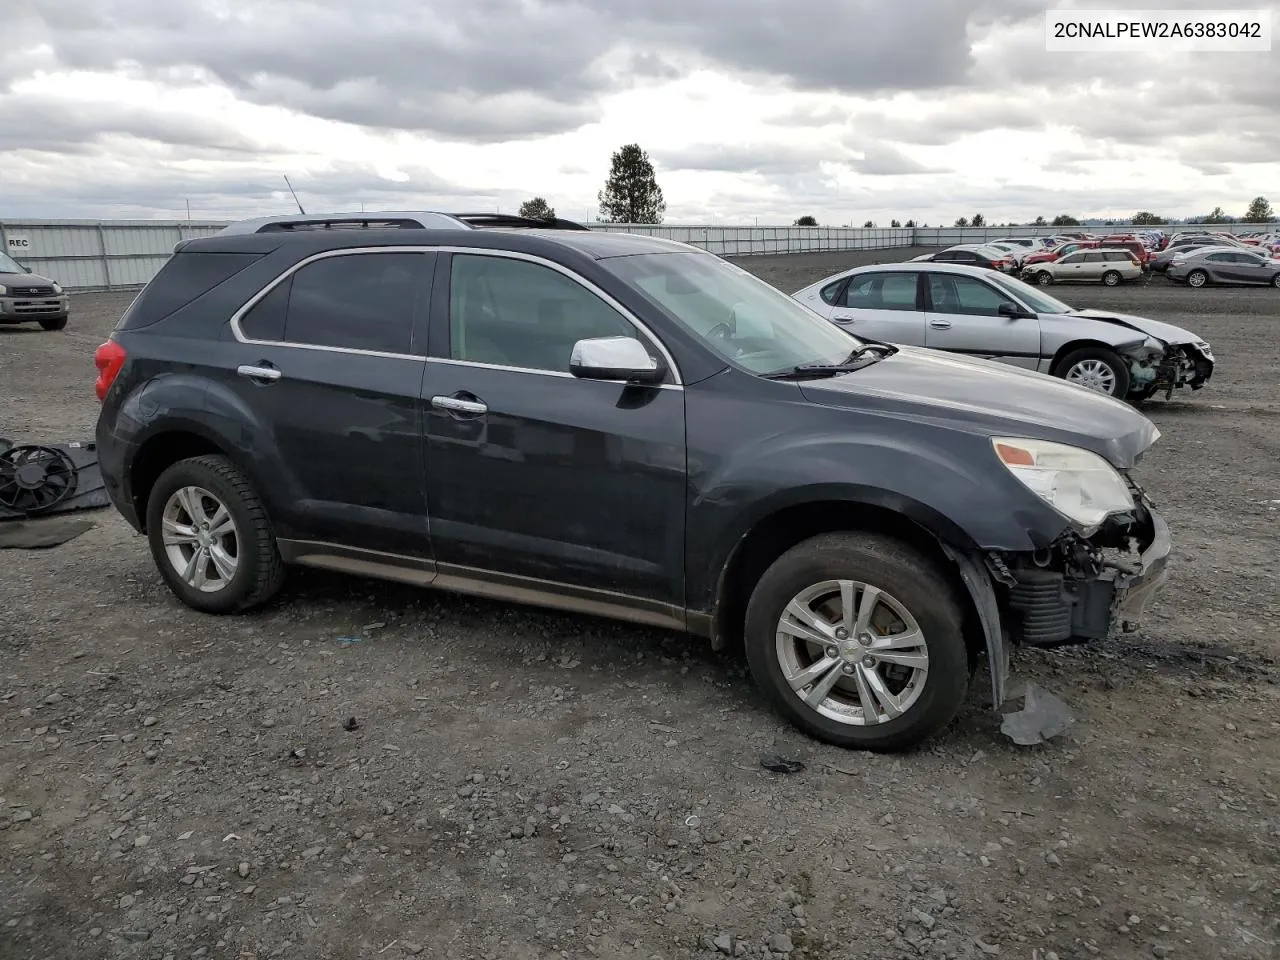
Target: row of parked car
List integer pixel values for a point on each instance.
(1197, 259)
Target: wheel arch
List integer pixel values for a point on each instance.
(1071, 346)
(161, 450)
(779, 531)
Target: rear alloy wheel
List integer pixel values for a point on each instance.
(1275, 281)
(1197, 278)
(210, 537)
(1111, 278)
(1096, 368)
(1044, 278)
(857, 639)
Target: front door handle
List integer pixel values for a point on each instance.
(457, 405)
(261, 372)
(940, 324)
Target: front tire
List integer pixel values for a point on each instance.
(1275, 281)
(857, 639)
(1096, 368)
(53, 323)
(1197, 278)
(210, 537)
(1044, 278)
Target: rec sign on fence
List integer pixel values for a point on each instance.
(16, 245)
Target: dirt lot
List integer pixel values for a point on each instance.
(527, 785)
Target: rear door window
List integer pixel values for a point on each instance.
(355, 301)
(882, 291)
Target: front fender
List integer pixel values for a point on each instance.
(929, 479)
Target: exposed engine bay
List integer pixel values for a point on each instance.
(1077, 588)
(1155, 368)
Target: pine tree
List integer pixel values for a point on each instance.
(631, 194)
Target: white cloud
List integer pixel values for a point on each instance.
(750, 109)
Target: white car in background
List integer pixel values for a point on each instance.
(983, 313)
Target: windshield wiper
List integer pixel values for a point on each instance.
(847, 365)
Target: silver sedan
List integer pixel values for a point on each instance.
(1231, 265)
(982, 313)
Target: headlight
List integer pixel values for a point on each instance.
(1077, 483)
(3, 289)
(1204, 349)
(57, 288)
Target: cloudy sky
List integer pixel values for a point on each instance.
(751, 110)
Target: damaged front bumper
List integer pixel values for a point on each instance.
(1076, 591)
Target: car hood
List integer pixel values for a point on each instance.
(1152, 328)
(987, 397)
(24, 280)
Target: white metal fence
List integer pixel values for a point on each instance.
(109, 254)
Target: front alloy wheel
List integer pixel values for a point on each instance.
(1197, 278)
(852, 652)
(857, 638)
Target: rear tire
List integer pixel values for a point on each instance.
(53, 323)
(239, 565)
(824, 580)
(1095, 368)
(1111, 278)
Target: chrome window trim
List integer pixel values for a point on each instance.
(238, 332)
(539, 372)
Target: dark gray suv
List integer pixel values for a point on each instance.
(629, 427)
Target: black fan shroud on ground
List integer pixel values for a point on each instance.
(35, 478)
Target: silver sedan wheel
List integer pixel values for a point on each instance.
(1093, 374)
(200, 539)
(1196, 278)
(852, 652)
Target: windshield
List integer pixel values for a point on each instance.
(1033, 298)
(739, 316)
(9, 265)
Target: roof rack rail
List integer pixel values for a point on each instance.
(394, 220)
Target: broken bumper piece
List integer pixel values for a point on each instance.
(1082, 598)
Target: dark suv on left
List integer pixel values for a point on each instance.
(629, 427)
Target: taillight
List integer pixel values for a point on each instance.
(108, 358)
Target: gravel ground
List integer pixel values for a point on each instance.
(367, 771)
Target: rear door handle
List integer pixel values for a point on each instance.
(940, 324)
(456, 405)
(255, 372)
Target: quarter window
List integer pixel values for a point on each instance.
(357, 301)
(882, 291)
(515, 313)
(960, 294)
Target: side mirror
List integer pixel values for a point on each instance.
(615, 358)
(25, 268)
(1013, 312)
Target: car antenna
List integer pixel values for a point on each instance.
(295, 196)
